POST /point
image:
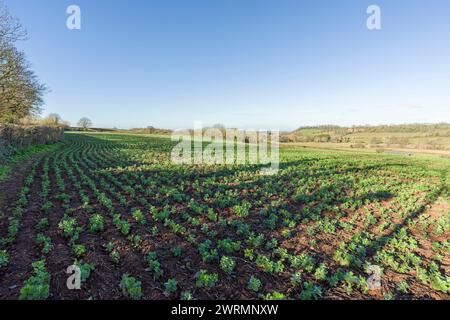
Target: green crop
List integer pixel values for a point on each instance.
(254, 284)
(96, 223)
(312, 231)
(205, 280)
(131, 287)
(37, 287)
(227, 264)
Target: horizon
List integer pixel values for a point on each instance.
(442, 123)
(272, 64)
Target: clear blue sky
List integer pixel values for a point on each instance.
(244, 63)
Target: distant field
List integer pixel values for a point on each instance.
(423, 137)
(140, 227)
(363, 149)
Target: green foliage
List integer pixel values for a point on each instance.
(131, 287)
(37, 287)
(227, 264)
(42, 224)
(4, 258)
(85, 269)
(186, 296)
(254, 284)
(96, 223)
(310, 291)
(321, 272)
(403, 287)
(69, 228)
(275, 296)
(154, 265)
(296, 279)
(242, 210)
(264, 263)
(79, 250)
(176, 251)
(110, 246)
(207, 252)
(376, 207)
(439, 283)
(115, 256)
(205, 280)
(138, 216)
(123, 225)
(171, 286)
(228, 246)
(44, 242)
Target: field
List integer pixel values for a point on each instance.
(418, 138)
(139, 227)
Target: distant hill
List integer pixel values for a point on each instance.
(414, 136)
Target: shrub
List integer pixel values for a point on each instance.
(18, 136)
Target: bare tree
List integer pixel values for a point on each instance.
(10, 28)
(21, 93)
(85, 123)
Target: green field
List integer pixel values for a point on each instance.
(140, 227)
